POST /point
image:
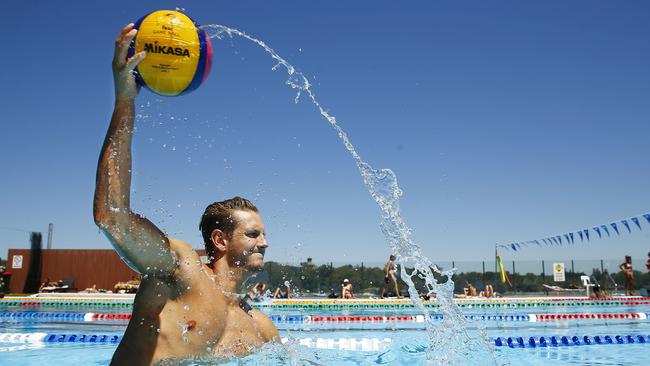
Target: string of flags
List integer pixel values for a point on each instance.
(596, 232)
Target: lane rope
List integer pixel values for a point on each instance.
(566, 341)
(351, 344)
(320, 319)
(348, 344)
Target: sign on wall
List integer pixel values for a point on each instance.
(17, 262)
(558, 272)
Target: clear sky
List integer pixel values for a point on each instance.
(503, 120)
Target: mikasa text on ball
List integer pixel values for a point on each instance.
(178, 53)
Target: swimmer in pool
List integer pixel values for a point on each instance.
(183, 308)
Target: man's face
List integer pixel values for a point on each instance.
(246, 247)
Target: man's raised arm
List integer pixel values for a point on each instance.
(139, 242)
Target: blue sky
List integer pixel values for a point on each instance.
(503, 120)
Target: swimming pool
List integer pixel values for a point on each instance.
(533, 331)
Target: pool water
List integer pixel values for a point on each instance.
(355, 336)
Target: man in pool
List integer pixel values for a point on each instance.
(184, 309)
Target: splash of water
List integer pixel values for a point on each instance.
(449, 341)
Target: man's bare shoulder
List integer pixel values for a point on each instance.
(267, 329)
(188, 258)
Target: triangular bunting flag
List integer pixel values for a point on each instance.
(605, 229)
(596, 229)
(572, 237)
(626, 225)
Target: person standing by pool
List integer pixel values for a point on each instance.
(390, 278)
(626, 267)
(346, 290)
(183, 308)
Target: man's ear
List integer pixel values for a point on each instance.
(219, 240)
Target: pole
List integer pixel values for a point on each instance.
(362, 281)
(483, 268)
(544, 277)
(602, 267)
(50, 231)
(572, 269)
(496, 254)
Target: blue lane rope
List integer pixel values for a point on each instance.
(297, 319)
(565, 341)
(512, 342)
(40, 315)
(58, 338)
(91, 338)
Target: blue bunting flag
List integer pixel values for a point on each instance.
(596, 229)
(570, 238)
(626, 225)
(605, 229)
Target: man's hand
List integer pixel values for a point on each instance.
(126, 87)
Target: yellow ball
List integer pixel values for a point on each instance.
(179, 53)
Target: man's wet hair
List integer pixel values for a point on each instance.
(218, 215)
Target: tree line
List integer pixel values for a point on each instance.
(310, 279)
